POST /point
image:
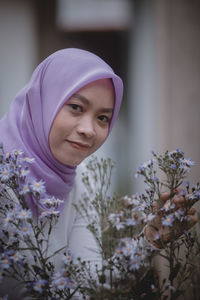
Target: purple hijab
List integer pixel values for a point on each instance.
(27, 124)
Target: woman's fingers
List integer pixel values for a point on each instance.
(192, 220)
(192, 211)
(164, 197)
(158, 204)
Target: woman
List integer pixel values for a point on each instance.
(63, 115)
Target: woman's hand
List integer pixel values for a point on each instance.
(164, 227)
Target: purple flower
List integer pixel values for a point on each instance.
(8, 221)
(16, 257)
(131, 221)
(134, 263)
(49, 213)
(174, 152)
(187, 161)
(141, 206)
(156, 179)
(61, 281)
(23, 172)
(16, 152)
(23, 214)
(51, 202)
(186, 183)
(115, 220)
(39, 285)
(24, 229)
(137, 218)
(156, 237)
(38, 186)
(173, 166)
(145, 166)
(24, 189)
(168, 221)
(28, 160)
(5, 173)
(67, 257)
(5, 263)
(179, 214)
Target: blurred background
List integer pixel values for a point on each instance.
(152, 44)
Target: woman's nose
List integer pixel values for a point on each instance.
(86, 126)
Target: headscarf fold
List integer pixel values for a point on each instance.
(27, 124)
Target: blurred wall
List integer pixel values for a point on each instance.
(18, 48)
(164, 82)
(178, 74)
(157, 57)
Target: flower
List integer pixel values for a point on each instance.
(136, 219)
(16, 152)
(131, 200)
(173, 166)
(5, 262)
(187, 161)
(179, 214)
(5, 173)
(135, 263)
(23, 214)
(156, 237)
(28, 160)
(17, 257)
(24, 229)
(23, 172)
(168, 221)
(24, 189)
(40, 285)
(9, 217)
(144, 167)
(49, 213)
(51, 202)
(38, 186)
(175, 152)
(67, 257)
(115, 220)
(61, 281)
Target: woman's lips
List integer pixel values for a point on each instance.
(79, 146)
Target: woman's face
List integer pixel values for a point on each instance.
(82, 124)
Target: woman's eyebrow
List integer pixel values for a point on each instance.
(87, 102)
(82, 98)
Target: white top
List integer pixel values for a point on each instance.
(71, 229)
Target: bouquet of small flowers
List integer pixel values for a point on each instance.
(127, 269)
(24, 238)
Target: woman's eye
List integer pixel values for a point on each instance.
(76, 107)
(104, 119)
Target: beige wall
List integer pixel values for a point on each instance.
(178, 77)
(178, 82)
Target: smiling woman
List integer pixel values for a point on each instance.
(47, 115)
(62, 115)
(82, 124)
